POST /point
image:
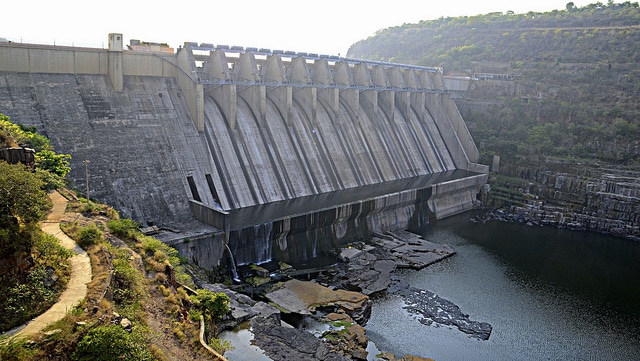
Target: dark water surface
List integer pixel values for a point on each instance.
(550, 294)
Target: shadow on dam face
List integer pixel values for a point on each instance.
(304, 228)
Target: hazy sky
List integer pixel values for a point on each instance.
(322, 26)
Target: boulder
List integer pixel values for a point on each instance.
(285, 343)
(126, 325)
(242, 307)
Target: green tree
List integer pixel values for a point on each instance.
(57, 164)
(12, 135)
(23, 204)
(51, 167)
(213, 305)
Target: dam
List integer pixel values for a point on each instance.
(270, 154)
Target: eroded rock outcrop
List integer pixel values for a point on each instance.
(432, 308)
(367, 269)
(285, 343)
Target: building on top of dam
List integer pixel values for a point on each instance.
(279, 153)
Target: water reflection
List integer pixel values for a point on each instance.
(549, 294)
(243, 349)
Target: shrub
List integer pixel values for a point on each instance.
(221, 345)
(108, 343)
(26, 300)
(150, 244)
(48, 251)
(124, 228)
(161, 278)
(179, 333)
(194, 315)
(215, 304)
(89, 235)
(16, 350)
(127, 279)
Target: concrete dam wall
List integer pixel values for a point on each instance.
(277, 155)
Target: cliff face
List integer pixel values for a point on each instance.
(582, 197)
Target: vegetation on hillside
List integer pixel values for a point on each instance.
(138, 305)
(35, 267)
(51, 167)
(576, 83)
(137, 278)
(22, 205)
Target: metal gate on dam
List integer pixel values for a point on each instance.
(281, 154)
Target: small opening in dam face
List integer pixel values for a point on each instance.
(212, 188)
(194, 189)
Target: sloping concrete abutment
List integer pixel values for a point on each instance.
(280, 153)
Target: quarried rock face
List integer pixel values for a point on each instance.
(15, 155)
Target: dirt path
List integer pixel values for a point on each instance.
(80, 273)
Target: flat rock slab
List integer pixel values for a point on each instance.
(347, 254)
(386, 243)
(304, 297)
(411, 250)
(384, 269)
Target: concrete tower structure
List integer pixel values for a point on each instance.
(115, 61)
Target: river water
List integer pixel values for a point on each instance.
(550, 294)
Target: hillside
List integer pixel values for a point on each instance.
(137, 306)
(572, 85)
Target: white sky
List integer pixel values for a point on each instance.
(323, 26)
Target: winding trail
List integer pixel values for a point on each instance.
(80, 274)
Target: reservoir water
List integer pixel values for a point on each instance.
(550, 294)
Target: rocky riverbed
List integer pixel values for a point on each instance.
(325, 318)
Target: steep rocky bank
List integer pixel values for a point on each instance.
(572, 195)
